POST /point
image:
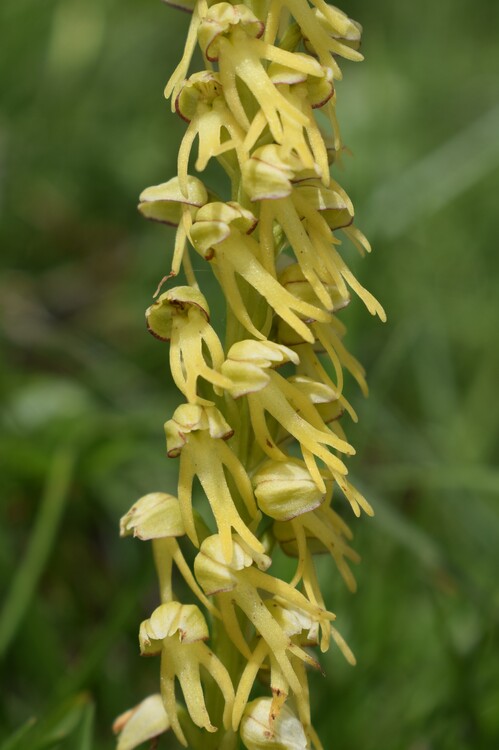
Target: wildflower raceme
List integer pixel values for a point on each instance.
(259, 436)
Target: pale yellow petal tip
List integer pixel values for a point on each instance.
(145, 721)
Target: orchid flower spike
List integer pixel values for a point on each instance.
(278, 377)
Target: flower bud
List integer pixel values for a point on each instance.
(144, 722)
(286, 733)
(285, 489)
(177, 301)
(164, 202)
(154, 516)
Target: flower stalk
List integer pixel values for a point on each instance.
(266, 447)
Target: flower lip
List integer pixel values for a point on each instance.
(221, 19)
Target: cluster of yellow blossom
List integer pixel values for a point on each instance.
(264, 444)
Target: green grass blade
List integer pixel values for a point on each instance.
(438, 178)
(31, 567)
(17, 740)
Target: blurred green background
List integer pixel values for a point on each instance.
(85, 391)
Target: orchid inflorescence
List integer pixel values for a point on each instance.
(259, 431)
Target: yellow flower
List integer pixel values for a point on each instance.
(332, 34)
(220, 233)
(237, 582)
(181, 315)
(201, 103)
(177, 632)
(230, 34)
(198, 435)
(302, 631)
(272, 394)
(305, 93)
(328, 339)
(157, 517)
(294, 624)
(169, 204)
(298, 210)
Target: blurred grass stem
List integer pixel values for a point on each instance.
(40, 545)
